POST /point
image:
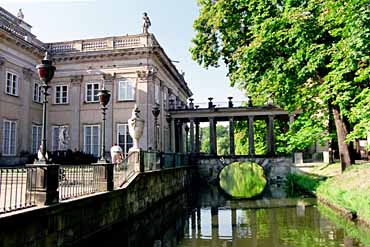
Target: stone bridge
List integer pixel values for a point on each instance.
(276, 167)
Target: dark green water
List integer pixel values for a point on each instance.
(207, 218)
(285, 226)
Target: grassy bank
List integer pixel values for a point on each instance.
(349, 191)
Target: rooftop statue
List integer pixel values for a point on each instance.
(20, 14)
(146, 23)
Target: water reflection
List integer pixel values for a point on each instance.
(207, 218)
(290, 226)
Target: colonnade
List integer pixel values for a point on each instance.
(185, 134)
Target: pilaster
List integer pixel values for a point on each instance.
(25, 127)
(76, 99)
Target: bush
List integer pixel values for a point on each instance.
(299, 184)
(72, 158)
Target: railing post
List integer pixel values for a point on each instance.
(136, 159)
(43, 184)
(110, 179)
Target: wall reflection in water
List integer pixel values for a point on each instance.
(209, 219)
(289, 226)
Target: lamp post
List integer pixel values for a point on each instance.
(104, 97)
(186, 138)
(155, 112)
(46, 73)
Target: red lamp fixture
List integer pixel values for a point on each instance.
(46, 69)
(104, 96)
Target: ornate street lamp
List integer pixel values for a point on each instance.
(104, 97)
(156, 112)
(46, 73)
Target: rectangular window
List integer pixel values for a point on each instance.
(9, 137)
(126, 90)
(36, 138)
(37, 90)
(11, 85)
(91, 94)
(92, 139)
(61, 94)
(124, 139)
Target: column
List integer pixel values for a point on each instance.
(251, 135)
(191, 139)
(231, 136)
(178, 136)
(270, 136)
(212, 135)
(173, 136)
(197, 140)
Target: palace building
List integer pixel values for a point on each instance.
(134, 68)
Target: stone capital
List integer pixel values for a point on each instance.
(109, 77)
(27, 73)
(149, 74)
(77, 79)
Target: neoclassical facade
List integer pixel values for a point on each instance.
(134, 68)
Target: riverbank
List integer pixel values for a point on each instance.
(348, 193)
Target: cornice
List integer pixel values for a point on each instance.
(102, 55)
(23, 44)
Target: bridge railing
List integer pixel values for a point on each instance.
(16, 191)
(45, 184)
(80, 180)
(158, 160)
(123, 171)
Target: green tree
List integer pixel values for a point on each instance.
(223, 141)
(313, 55)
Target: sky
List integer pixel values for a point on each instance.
(172, 24)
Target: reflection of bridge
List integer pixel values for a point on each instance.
(242, 225)
(179, 117)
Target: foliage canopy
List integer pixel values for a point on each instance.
(313, 55)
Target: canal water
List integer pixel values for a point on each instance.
(208, 218)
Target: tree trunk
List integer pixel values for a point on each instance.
(344, 154)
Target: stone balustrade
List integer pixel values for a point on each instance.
(109, 43)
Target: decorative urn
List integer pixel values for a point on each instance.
(136, 127)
